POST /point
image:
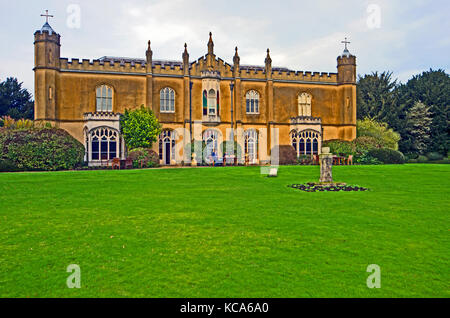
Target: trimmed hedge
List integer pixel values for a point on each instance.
(149, 157)
(387, 156)
(40, 149)
(434, 156)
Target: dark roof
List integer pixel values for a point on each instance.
(123, 60)
(262, 68)
(48, 28)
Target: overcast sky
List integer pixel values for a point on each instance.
(406, 37)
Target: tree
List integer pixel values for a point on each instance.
(433, 89)
(15, 101)
(385, 136)
(377, 97)
(140, 128)
(418, 126)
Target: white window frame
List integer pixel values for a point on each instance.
(305, 135)
(252, 102)
(251, 142)
(167, 100)
(212, 102)
(104, 98)
(111, 135)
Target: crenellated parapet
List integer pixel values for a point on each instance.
(305, 120)
(101, 116)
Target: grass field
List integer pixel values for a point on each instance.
(225, 232)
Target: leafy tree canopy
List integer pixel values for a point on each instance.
(15, 101)
(384, 135)
(140, 128)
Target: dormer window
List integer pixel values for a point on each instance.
(104, 96)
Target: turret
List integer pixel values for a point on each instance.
(346, 65)
(46, 67)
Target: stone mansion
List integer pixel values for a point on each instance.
(87, 97)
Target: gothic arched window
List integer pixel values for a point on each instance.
(305, 142)
(104, 96)
(104, 144)
(211, 141)
(304, 104)
(167, 146)
(252, 102)
(167, 100)
(251, 145)
(212, 102)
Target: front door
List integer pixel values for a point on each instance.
(167, 153)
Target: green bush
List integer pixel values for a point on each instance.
(366, 159)
(40, 149)
(339, 147)
(363, 144)
(148, 157)
(434, 156)
(385, 136)
(6, 165)
(387, 156)
(422, 159)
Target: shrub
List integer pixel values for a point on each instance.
(412, 156)
(40, 149)
(287, 155)
(149, 157)
(385, 136)
(434, 156)
(305, 160)
(339, 147)
(366, 159)
(422, 159)
(363, 144)
(387, 156)
(6, 165)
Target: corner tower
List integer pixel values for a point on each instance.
(346, 65)
(346, 78)
(46, 69)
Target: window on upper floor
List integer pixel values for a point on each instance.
(212, 102)
(167, 100)
(252, 102)
(104, 97)
(304, 104)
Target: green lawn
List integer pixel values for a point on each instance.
(225, 232)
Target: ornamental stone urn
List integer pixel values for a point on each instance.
(326, 164)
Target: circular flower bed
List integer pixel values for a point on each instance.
(317, 187)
